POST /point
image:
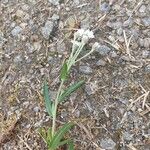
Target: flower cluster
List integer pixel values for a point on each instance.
(84, 35)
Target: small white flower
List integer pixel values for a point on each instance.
(76, 43)
(89, 34)
(79, 33)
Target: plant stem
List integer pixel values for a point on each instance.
(55, 107)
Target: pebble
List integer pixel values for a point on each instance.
(147, 69)
(47, 29)
(104, 7)
(100, 63)
(145, 54)
(54, 2)
(85, 70)
(108, 144)
(18, 59)
(55, 17)
(119, 31)
(127, 136)
(146, 21)
(142, 9)
(103, 50)
(91, 88)
(128, 23)
(36, 109)
(16, 31)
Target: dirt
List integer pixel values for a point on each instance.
(112, 110)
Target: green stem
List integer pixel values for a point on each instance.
(73, 59)
(55, 107)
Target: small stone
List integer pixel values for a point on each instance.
(113, 54)
(146, 21)
(119, 31)
(147, 42)
(36, 109)
(128, 22)
(147, 69)
(101, 63)
(85, 70)
(145, 54)
(104, 7)
(54, 2)
(18, 59)
(142, 9)
(20, 13)
(61, 47)
(127, 136)
(55, 17)
(108, 144)
(103, 50)
(91, 88)
(16, 31)
(47, 29)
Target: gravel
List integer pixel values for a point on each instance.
(100, 63)
(47, 29)
(146, 21)
(103, 50)
(108, 144)
(54, 2)
(16, 31)
(85, 70)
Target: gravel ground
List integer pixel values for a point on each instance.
(111, 110)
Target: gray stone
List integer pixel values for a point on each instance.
(54, 2)
(119, 31)
(91, 88)
(85, 69)
(146, 21)
(36, 109)
(128, 22)
(147, 69)
(55, 17)
(127, 136)
(16, 31)
(108, 144)
(113, 54)
(145, 54)
(101, 63)
(18, 59)
(47, 29)
(104, 7)
(103, 50)
(142, 9)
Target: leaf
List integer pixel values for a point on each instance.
(59, 135)
(70, 90)
(43, 134)
(47, 99)
(64, 72)
(71, 146)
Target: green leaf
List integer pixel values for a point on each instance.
(70, 90)
(47, 99)
(43, 134)
(71, 146)
(64, 72)
(59, 135)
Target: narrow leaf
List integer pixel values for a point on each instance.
(63, 143)
(43, 134)
(63, 74)
(47, 99)
(59, 135)
(70, 90)
(70, 145)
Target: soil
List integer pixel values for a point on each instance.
(112, 110)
